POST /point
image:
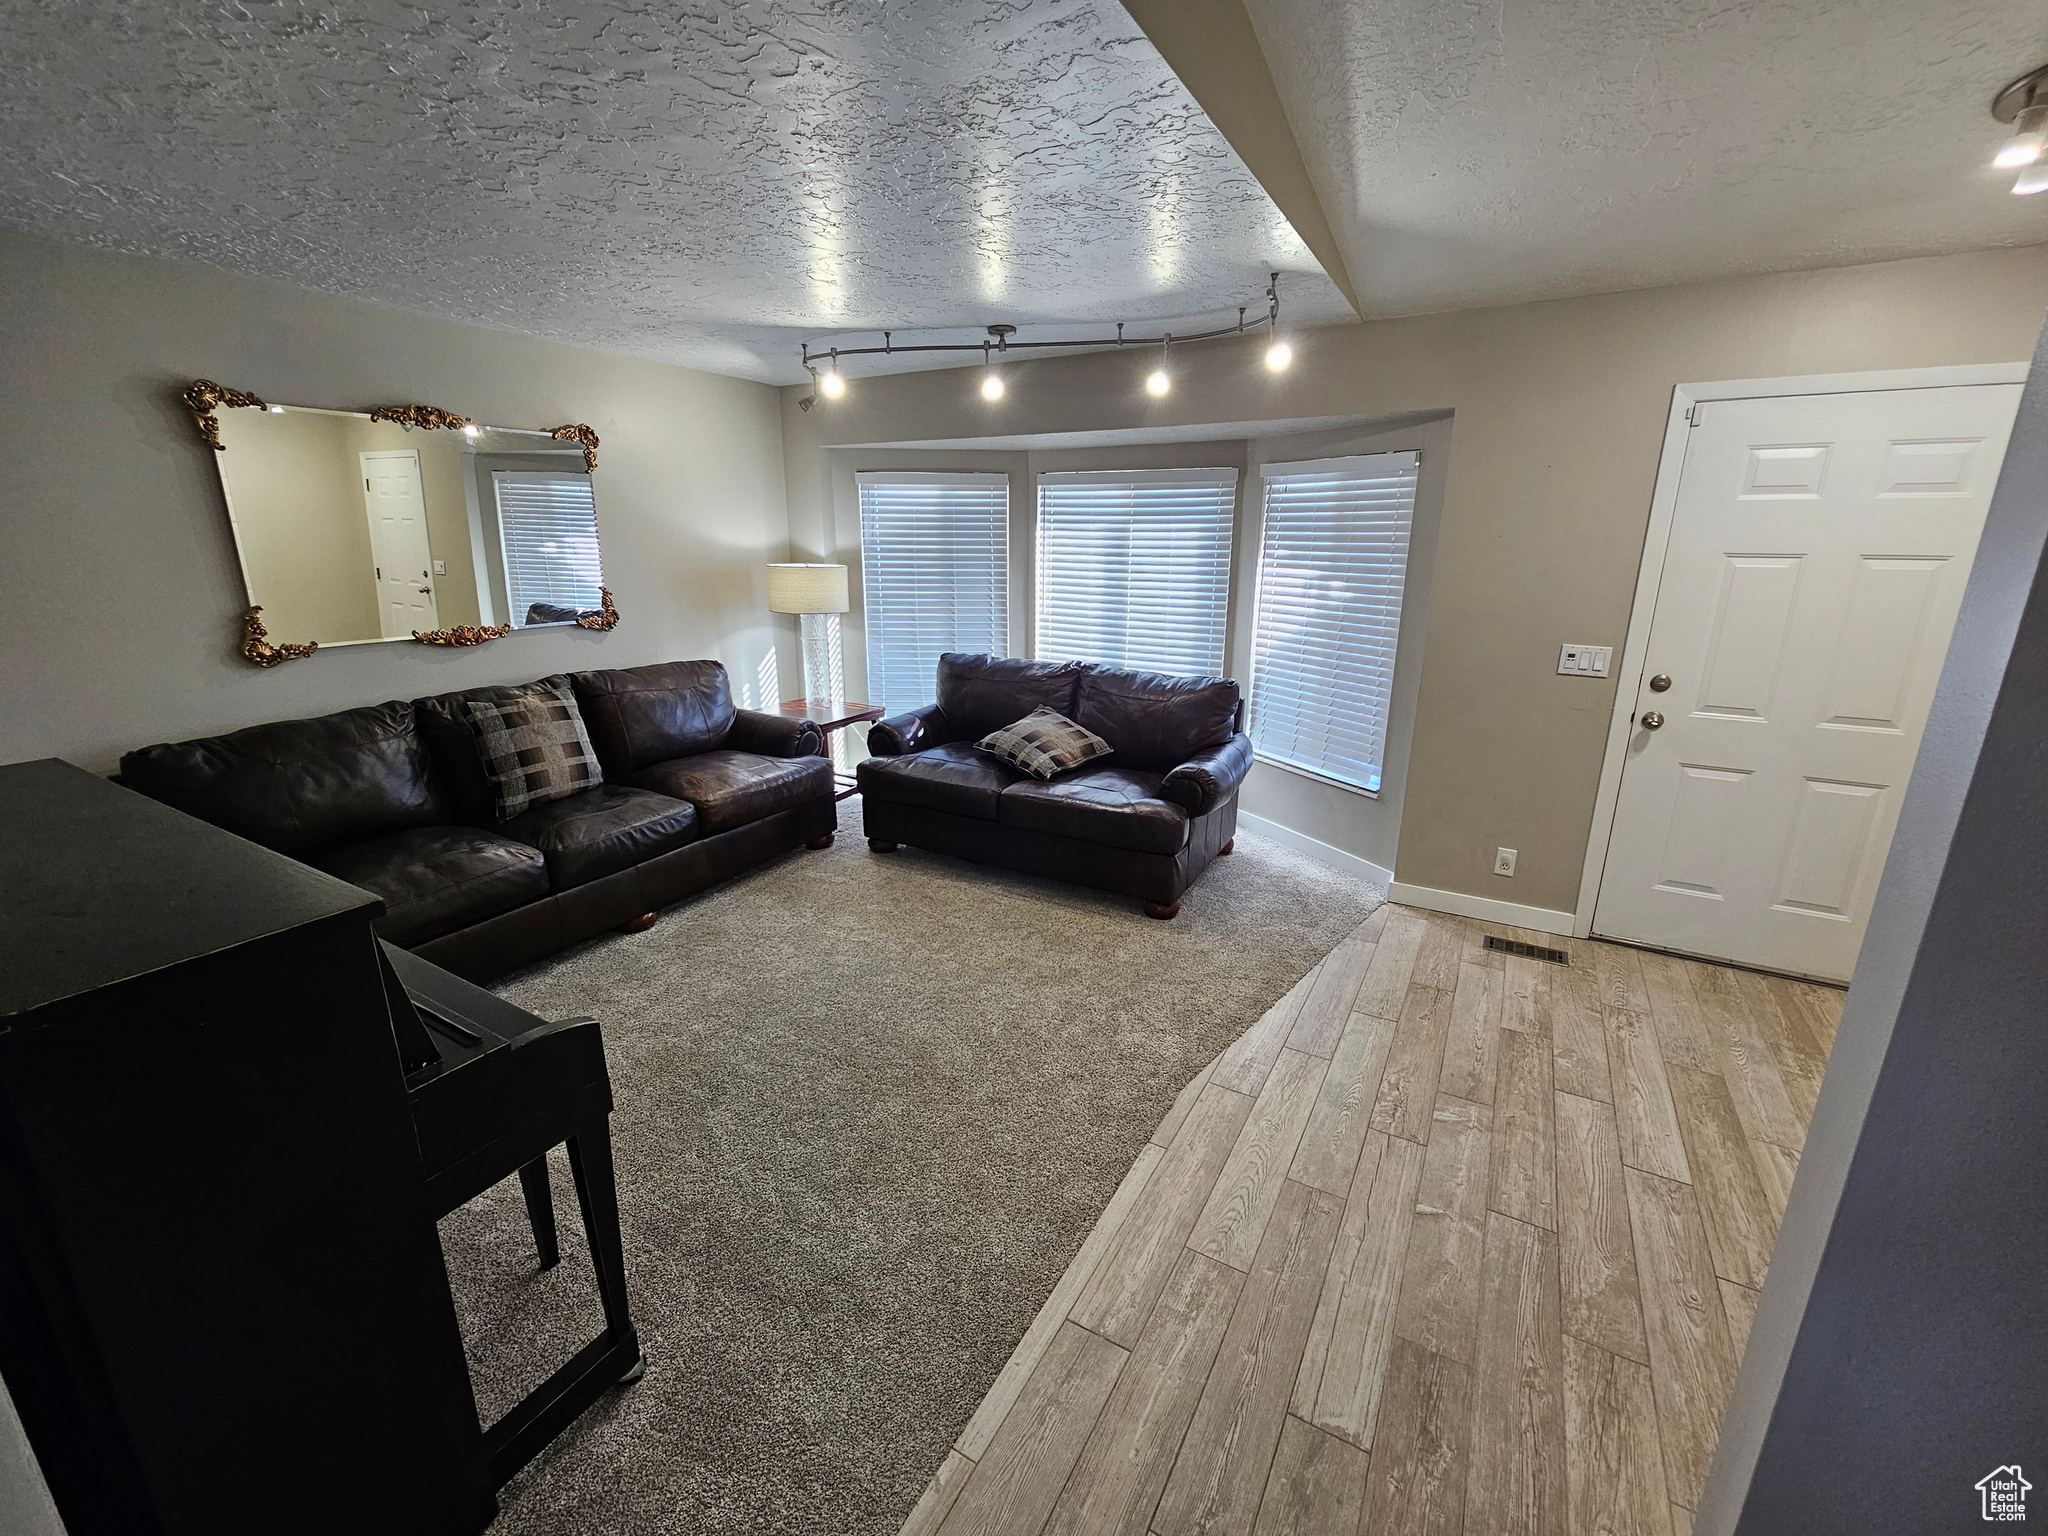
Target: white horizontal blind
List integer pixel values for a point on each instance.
(547, 529)
(1134, 568)
(1331, 567)
(935, 576)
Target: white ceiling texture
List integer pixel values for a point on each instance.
(701, 182)
(1475, 152)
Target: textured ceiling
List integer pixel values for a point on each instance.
(705, 183)
(1486, 151)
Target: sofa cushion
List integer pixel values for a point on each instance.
(602, 831)
(731, 789)
(954, 777)
(444, 726)
(298, 786)
(640, 716)
(435, 880)
(1118, 807)
(1045, 742)
(1155, 721)
(979, 694)
(534, 748)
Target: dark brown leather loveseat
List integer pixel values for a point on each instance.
(1145, 821)
(394, 798)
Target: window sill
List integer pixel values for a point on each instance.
(1320, 778)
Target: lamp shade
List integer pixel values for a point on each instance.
(807, 589)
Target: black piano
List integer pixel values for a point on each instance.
(229, 1120)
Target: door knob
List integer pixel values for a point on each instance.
(1660, 682)
(1652, 721)
(426, 590)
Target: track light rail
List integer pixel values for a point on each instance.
(1003, 344)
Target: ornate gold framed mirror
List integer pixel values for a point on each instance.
(407, 522)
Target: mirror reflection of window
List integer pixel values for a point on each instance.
(547, 531)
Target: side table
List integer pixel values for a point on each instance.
(830, 715)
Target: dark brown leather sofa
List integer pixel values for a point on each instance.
(394, 798)
(1144, 822)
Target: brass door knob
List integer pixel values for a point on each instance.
(1660, 682)
(1652, 721)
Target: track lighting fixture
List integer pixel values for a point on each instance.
(991, 381)
(2024, 104)
(823, 366)
(830, 384)
(1159, 381)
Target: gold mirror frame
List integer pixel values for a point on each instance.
(203, 398)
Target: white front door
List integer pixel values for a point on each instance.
(1818, 553)
(397, 508)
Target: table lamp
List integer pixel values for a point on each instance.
(818, 593)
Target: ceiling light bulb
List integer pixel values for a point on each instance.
(992, 386)
(472, 432)
(277, 410)
(2029, 141)
(1158, 383)
(2031, 180)
(1278, 356)
(830, 385)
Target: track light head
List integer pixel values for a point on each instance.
(992, 385)
(2029, 141)
(830, 384)
(1158, 382)
(1278, 356)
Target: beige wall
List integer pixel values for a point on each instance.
(300, 527)
(118, 551)
(1560, 410)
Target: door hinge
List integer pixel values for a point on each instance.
(1699, 409)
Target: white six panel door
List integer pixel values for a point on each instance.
(397, 507)
(1818, 553)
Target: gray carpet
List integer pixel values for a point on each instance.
(868, 1108)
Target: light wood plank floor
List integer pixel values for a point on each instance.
(1448, 1241)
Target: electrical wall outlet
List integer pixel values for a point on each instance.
(1584, 660)
(1503, 861)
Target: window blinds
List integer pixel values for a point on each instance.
(547, 528)
(1134, 568)
(935, 575)
(1332, 563)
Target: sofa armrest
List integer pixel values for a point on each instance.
(911, 731)
(774, 735)
(1209, 777)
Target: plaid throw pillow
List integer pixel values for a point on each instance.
(534, 747)
(1043, 743)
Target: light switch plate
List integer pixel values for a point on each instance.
(1584, 660)
(440, 567)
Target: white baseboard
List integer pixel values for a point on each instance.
(1485, 908)
(1323, 853)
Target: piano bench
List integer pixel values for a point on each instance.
(492, 1088)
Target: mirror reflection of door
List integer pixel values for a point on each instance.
(396, 505)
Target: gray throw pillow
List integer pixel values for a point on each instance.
(534, 747)
(1043, 743)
